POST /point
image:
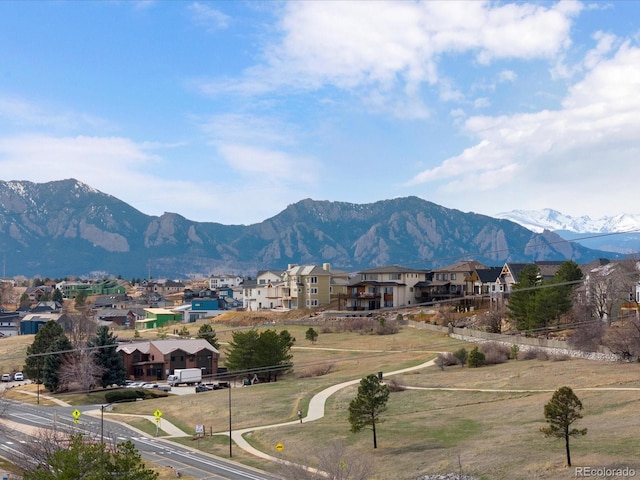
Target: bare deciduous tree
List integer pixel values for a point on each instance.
(492, 320)
(608, 286)
(335, 462)
(45, 443)
(6, 292)
(78, 327)
(623, 338)
(588, 329)
(80, 371)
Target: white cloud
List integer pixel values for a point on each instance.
(20, 112)
(507, 76)
(257, 148)
(116, 166)
(389, 49)
(578, 155)
(605, 43)
(482, 102)
(268, 165)
(208, 17)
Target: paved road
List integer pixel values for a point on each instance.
(26, 418)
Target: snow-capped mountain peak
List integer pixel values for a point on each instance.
(548, 219)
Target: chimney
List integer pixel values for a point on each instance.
(326, 266)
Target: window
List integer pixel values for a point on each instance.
(438, 276)
(313, 290)
(453, 276)
(312, 303)
(312, 279)
(394, 276)
(388, 290)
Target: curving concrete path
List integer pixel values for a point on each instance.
(315, 412)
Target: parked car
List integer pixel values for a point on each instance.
(164, 388)
(6, 377)
(18, 376)
(203, 388)
(149, 385)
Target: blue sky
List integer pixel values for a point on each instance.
(229, 111)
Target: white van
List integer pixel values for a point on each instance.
(18, 376)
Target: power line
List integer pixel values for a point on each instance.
(519, 247)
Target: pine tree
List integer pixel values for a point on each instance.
(42, 343)
(563, 409)
(103, 346)
(207, 332)
(366, 407)
(60, 348)
(311, 335)
(92, 461)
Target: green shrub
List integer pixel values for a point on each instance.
(123, 395)
(514, 351)
(461, 356)
(476, 358)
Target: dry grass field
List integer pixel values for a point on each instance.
(446, 424)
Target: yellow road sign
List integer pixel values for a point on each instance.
(76, 415)
(279, 446)
(157, 413)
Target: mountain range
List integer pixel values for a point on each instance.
(620, 233)
(67, 228)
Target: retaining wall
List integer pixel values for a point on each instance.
(551, 346)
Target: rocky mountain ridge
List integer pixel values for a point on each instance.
(65, 228)
(618, 233)
(549, 219)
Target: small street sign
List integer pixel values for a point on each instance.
(279, 446)
(157, 414)
(76, 415)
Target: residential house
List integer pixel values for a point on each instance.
(299, 286)
(116, 301)
(612, 288)
(157, 317)
(46, 307)
(9, 322)
(482, 281)
(221, 281)
(202, 308)
(306, 286)
(452, 281)
(166, 287)
(31, 322)
(36, 293)
(510, 272)
(122, 317)
(156, 359)
(385, 287)
(264, 292)
(103, 287)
